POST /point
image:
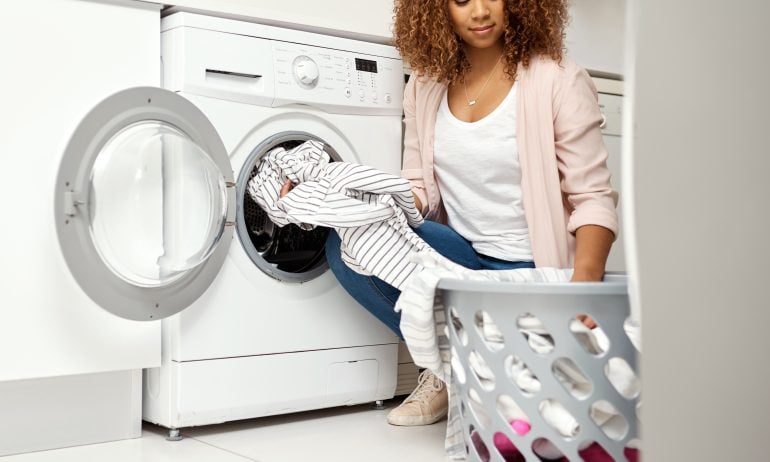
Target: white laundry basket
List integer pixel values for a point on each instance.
(521, 399)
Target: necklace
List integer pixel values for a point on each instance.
(471, 102)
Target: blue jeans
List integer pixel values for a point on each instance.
(379, 297)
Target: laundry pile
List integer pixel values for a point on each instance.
(373, 213)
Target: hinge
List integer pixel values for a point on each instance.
(72, 200)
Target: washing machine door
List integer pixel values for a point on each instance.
(145, 203)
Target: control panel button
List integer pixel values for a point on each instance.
(388, 98)
(348, 93)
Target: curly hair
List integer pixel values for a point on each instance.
(424, 35)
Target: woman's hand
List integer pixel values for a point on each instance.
(417, 203)
(593, 246)
(288, 186)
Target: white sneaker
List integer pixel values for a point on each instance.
(426, 405)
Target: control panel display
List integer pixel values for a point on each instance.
(366, 65)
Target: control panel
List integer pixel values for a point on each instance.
(257, 64)
(332, 78)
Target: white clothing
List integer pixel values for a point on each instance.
(479, 175)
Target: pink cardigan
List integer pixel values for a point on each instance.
(565, 180)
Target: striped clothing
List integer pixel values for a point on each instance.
(372, 211)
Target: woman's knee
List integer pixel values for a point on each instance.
(432, 231)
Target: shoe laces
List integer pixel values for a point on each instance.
(427, 385)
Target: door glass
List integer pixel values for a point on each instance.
(158, 204)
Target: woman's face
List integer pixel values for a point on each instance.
(479, 23)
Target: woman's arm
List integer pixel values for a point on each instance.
(412, 163)
(592, 245)
(585, 178)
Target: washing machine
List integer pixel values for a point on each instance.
(274, 333)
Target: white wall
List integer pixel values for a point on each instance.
(363, 19)
(700, 98)
(594, 37)
(595, 34)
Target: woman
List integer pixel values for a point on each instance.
(503, 149)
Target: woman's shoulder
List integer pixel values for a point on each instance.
(555, 79)
(424, 88)
(425, 83)
(545, 67)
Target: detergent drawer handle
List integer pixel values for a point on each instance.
(233, 74)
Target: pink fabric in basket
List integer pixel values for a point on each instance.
(509, 452)
(595, 453)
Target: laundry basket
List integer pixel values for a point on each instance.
(532, 381)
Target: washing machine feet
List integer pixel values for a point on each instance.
(378, 405)
(173, 435)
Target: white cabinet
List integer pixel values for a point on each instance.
(60, 59)
(67, 411)
(70, 371)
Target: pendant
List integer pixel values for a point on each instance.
(471, 103)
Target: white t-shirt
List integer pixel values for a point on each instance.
(479, 176)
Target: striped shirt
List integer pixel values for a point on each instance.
(372, 211)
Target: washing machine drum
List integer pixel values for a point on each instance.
(286, 253)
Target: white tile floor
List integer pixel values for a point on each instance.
(347, 434)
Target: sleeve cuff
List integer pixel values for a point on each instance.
(595, 215)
